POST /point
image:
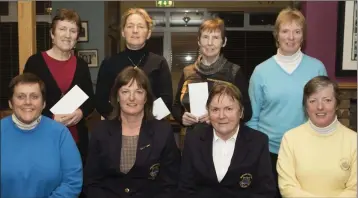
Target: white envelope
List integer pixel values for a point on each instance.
(70, 102)
(198, 95)
(160, 110)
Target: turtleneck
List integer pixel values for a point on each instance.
(210, 69)
(289, 63)
(324, 130)
(25, 126)
(136, 56)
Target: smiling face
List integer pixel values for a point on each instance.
(27, 102)
(290, 38)
(132, 99)
(210, 43)
(321, 106)
(135, 31)
(65, 35)
(224, 114)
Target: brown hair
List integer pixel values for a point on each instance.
(129, 75)
(139, 11)
(69, 15)
(27, 78)
(316, 84)
(289, 15)
(225, 88)
(213, 25)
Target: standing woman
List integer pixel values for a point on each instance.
(276, 85)
(211, 66)
(60, 70)
(136, 29)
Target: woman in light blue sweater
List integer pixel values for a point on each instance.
(39, 157)
(276, 85)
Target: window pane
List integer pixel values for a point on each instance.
(231, 19)
(249, 48)
(4, 8)
(9, 59)
(184, 52)
(263, 19)
(158, 18)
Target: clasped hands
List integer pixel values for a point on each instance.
(190, 119)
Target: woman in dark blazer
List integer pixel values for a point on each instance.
(61, 70)
(225, 160)
(131, 154)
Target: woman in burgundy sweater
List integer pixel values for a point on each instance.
(60, 70)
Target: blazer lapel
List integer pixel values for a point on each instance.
(115, 144)
(144, 146)
(240, 153)
(207, 152)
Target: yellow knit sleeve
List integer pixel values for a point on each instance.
(288, 183)
(351, 185)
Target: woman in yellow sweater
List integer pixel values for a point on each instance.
(319, 158)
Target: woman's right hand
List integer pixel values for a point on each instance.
(189, 119)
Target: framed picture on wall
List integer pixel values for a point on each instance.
(83, 37)
(90, 56)
(346, 55)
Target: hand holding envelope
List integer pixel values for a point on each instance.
(67, 108)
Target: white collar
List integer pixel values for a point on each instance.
(324, 130)
(291, 58)
(24, 126)
(234, 137)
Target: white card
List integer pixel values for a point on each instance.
(160, 110)
(198, 95)
(70, 102)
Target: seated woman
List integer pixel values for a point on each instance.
(226, 159)
(132, 154)
(319, 157)
(39, 157)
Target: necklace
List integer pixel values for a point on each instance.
(140, 60)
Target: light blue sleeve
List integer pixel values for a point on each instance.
(322, 70)
(71, 168)
(256, 97)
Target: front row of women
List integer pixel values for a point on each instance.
(134, 155)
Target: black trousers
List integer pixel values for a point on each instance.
(274, 171)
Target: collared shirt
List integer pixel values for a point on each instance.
(222, 153)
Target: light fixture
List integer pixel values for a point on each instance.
(186, 19)
(188, 58)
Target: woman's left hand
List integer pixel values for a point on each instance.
(204, 118)
(73, 118)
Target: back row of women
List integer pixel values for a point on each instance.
(230, 152)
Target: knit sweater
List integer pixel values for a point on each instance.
(313, 164)
(276, 97)
(43, 162)
(226, 72)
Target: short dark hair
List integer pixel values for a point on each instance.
(318, 83)
(213, 25)
(27, 78)
(66, 14)
(129, 75)
(225, 88)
